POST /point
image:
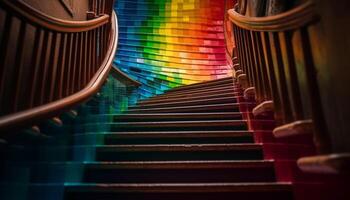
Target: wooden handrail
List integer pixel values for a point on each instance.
(67, 64)
(275, 59)
(292, 19)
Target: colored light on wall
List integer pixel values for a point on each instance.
(168, 43)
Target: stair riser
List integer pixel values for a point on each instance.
(178, 155)
(193, 94)
(203, 88)
(211, 87)
(179, 118)
(249, 195)
(181, 99)
(212, 84)
(157, 127)
(188, 103)
(231, 108)
(219, 87)
(179, 175)
(112, 141)
(159, 118)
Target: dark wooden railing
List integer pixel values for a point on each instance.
(276, 65)
(48, 65)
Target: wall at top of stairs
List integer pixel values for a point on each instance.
(62, 9)
(168, 43)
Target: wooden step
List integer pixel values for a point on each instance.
(186, 98)
(173, 152)
(180, 137)
(228, 86)
(227, 107)
(188, 103)
(202, 93)
(179, 171)
(166, 137)
(204, 84)
(160, 117)
(202, 89)
(179, 116)
(164, 125)
(183, 191)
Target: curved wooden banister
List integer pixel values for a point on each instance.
(67, 69)
(276, 59)
(38, 18)
(292, 19)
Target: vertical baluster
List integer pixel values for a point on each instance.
(79, 71)
(94, 50)
(256, 66)
(69, 64)
(262, 67)
(321, 136)
(244, 53)
(249, 58)
(44, 59)
(75, 62)
(47, 67)
(85, 59)
(91, 5)
(89, 55)
(280, 77)
(108, 7)
(48, 62)
(98, 7)
(235, 38)
(103, 6)
(19, 68)
(53, 67)
(38, 46)
(4, 58)
(106, 37)
(102, 44)
(240, 48)
(271, 76)
(62, 65)
(99, 49)
(291, 76)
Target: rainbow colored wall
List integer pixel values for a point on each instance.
(168, 43)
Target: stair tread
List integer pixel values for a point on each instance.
(227, 79)
(200, 93)
(186, 98)
(172, 114)
(165, 114)
(180, 147)
(204, 122)
(181, 134)
(198, 90)
(180, 187)
(188, 107)
(181, 164)
(187, 102)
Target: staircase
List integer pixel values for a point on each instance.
(189, 143)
